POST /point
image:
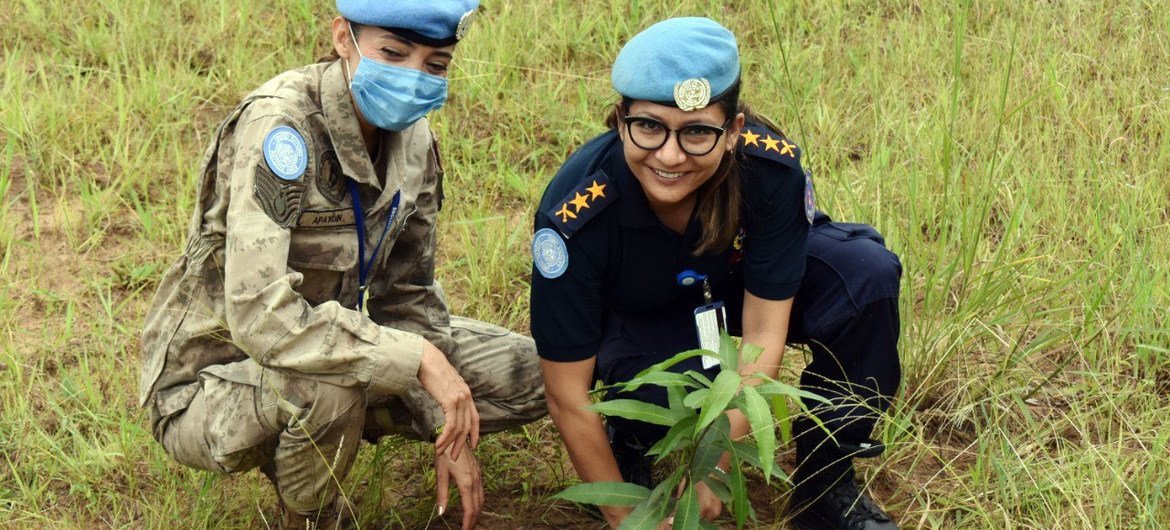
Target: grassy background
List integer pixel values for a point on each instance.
(1015, 154)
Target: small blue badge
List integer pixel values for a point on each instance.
(549, 253)
(285, 152)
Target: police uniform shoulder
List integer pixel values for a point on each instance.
(580, 191)
(759, 141)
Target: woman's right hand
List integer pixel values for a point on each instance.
(447, 387)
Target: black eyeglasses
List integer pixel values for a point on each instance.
(695, 140)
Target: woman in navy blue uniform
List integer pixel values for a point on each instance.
(688, 181)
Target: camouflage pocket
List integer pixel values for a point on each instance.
(235, 434)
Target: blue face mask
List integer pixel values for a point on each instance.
(393, 98)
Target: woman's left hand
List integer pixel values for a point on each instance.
(710, 506)
(467, 477)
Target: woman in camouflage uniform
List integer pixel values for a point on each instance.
(303, 314)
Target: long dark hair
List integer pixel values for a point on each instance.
(717, 205)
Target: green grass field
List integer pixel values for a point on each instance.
(1015, 154)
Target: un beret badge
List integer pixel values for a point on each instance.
(692, 94)
(465, 23)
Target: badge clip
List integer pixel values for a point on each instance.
(710, 318)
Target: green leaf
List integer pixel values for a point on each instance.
(739, 499)
(705, 525)
(683, 430)
(636, 410)
(662, 379)
(694, 400)
(699, 378)
(728, 352)
(760, 417)
(646, 516)
(605, 493)
(747, 453)
(783, 417)
(674, 397)
(724, 388)
(678, 358)
(751, 353)
(686, 513)
(775, 388)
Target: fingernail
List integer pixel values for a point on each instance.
(441, 511)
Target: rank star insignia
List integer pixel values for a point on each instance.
(771, 144)
(692, 94)
(751, 138)
(596, 190)
(788, 148)
(565, 213)
(580, 201)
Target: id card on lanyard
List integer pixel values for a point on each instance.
(710, 318)
(365, 265)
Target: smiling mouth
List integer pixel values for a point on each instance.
(667, 176)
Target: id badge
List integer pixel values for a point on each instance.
(710, 320)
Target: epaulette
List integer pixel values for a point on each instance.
(588, 199)
(759, 141)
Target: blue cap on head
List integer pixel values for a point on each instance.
(686, 62)
(432, 23)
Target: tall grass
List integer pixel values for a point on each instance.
(1015, 155)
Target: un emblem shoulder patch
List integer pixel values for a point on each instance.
(549, 253)
(810, 200)
(285, 153)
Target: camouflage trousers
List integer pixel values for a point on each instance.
(304, 434)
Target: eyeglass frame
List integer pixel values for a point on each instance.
(630, 120)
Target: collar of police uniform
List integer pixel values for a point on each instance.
(344, 132)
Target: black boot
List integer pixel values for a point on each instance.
(631, 458)
(840, 507)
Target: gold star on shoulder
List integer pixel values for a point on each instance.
(596, 190)
(751, 138)
(771, 143)
(565, 213)
(787, 148)
(580, 201)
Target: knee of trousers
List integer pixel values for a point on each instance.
(317, 406)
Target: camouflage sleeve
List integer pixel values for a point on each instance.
(410, 298)
(267, 316)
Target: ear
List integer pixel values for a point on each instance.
(733, 131)
(342, 42)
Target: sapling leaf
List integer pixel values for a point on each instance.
(662, 379)
(783, 417)
(750, 353)
(760, 418)
(679, 432)
(674, 397)
(646, 516)
(738, 486)
(605, 493)
(747, 453)
(699, 378)
(678, 358)
(632, 409)
(772, 387)
(706, 525)
(695, 399)
(724, 388)
(686, 512)
(728, 352)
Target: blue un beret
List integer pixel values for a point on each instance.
(686, 62)
(432, 23)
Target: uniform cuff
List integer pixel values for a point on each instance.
(566, 355)
(395, 369)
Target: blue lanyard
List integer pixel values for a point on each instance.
(364, 265)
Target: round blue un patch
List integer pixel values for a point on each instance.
(285, 153)
(549, 253)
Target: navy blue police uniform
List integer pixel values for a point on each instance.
(604, 284)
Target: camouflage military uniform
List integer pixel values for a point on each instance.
(253, 353)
